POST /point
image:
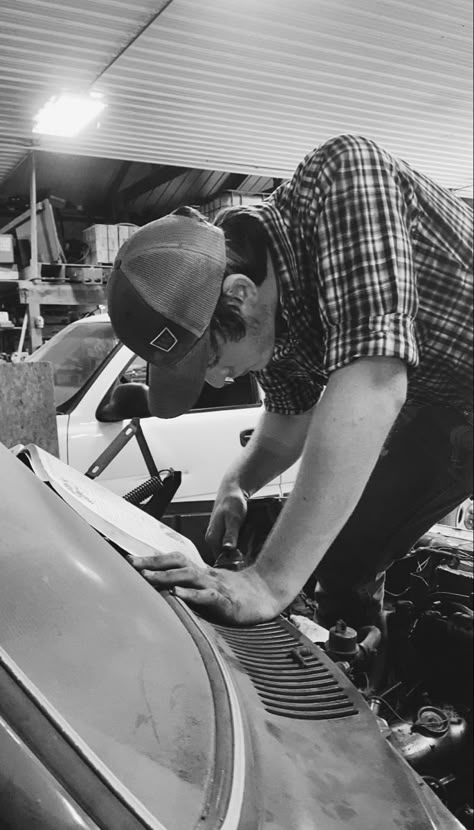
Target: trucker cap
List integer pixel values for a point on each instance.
(161, 295)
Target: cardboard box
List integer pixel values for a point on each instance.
(8, 273)
(6, 249)
(96, 237)
(95, 234)
(112, 242)
(104, 241)
(125, 231)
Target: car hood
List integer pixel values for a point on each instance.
(189, 724)
(103, 654)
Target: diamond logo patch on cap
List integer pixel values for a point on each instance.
(165, 340)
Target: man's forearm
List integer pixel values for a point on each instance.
(344, 442)
(275, 445)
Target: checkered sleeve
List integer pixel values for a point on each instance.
(360, 223)
(288, 392)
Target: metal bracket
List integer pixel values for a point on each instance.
(119, 442)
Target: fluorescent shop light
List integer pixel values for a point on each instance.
(67, 114)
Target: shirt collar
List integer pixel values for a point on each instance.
(284, 263)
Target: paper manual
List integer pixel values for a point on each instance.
(135, 531)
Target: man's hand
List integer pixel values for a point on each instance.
(275, 445)
(227, 518)
(239, 598)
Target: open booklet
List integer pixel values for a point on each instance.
(133, 530)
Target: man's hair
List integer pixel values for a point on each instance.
(246, 243)
(246, 253)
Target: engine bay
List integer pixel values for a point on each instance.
(417, 675)
(426, 700)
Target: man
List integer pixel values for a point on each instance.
(353, 278)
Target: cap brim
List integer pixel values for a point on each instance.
(174, 390)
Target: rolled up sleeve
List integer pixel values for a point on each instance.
(287, 392)
(362, 222)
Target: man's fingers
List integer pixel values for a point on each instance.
(175, 576)
(159, 562)
(214, 535)
(226, 520)
(231, 535)
(224, 533)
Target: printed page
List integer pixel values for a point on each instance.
(121, 522)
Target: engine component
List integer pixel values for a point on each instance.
(356, 648)
(230, 558)
(443, 641)
(456, 577)
(342, 643)
(355, 652)
(433, 739)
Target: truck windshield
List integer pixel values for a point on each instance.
(75, 353)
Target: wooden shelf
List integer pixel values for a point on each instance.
(76, 285)
(66, 293)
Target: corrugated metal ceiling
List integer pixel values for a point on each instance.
(245, 86)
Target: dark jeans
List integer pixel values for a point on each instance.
(424, 471)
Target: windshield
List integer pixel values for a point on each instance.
(75, 353)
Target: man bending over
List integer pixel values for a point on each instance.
(348, 294)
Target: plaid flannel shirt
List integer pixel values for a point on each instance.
(371, 259)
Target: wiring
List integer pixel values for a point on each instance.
(379, 699)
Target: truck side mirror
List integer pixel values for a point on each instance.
(127, 400)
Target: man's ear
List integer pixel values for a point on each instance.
(239, 286)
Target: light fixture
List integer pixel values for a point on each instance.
(66, 114)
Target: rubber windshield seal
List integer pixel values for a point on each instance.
(226, 793)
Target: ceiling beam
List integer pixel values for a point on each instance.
(233, 181)
(113, 201)
(118, 180)
(160, 176)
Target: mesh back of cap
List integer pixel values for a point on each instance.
(177, 267)
(187, 292)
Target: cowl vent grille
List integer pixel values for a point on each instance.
(293, 678)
